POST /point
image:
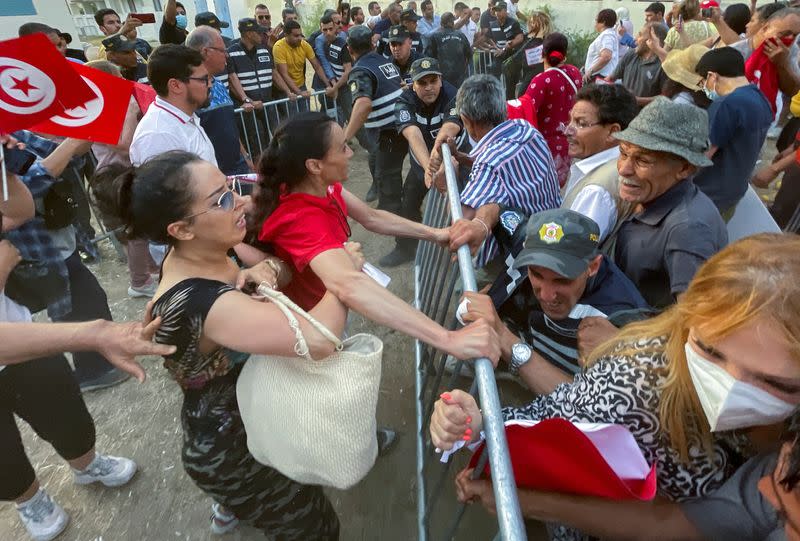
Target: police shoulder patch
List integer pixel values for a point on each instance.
(405, 116)
(353, 86)
(453, 112)
(510, 220)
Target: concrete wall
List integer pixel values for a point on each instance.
(51, 12)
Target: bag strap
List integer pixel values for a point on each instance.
(572, 84)
(287, 306)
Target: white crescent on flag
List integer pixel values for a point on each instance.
(24, 89)
(83, 114)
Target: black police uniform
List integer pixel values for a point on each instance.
(337, 55)
(502, 35)
(412, 111)
(137, 74)
(453, 51)
(416, 44)
(379, 79)
(254, 69)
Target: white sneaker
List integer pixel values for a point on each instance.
(43, 518)
(147, 290)
(112, 471)
(222, 521)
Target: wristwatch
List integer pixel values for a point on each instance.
(248, 100)
(520, 355)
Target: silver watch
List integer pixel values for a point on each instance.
(520, 354)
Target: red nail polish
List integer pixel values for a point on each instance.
(445, 396)
(467, 438)
(469, 420)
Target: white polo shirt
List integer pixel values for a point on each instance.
(164, 127)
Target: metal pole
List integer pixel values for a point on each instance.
(509, 517)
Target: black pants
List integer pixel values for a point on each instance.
(391, 151)
(44, 394)
(787, 200)
(414, 192)
(89, 302)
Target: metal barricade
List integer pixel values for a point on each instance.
(435, 280)
(485, 63)
(80, 176)
(260, 124)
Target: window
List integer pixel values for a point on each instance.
(17, 7)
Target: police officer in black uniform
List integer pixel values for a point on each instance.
(506, 34)
(408, 19)
(425, 111)
(375, 84)
(403, 54)
(452, 49)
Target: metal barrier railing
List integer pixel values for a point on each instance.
(265, 121)
(485, 63)
(435, 279)
(80, 177)
(793, 225)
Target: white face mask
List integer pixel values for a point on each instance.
(729, 403)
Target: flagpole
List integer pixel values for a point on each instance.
(3, 167)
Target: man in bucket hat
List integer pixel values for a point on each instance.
(676, 227)
(556, 278)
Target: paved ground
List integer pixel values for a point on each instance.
(141, 422)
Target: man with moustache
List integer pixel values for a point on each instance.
(675, 227)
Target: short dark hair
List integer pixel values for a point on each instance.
(723, 61)
(35, 28)
(425, 3)
(460, 6)
(291, 25)
(448, 20)
(288, 11)
(327, 18)
(608, 17)
(100, 15)
(615, 103)
(659, 30)
(768, 10)
(373, 3)
(737, 16)
(179, 5)
(260, 6)
(656, 7)
(171, 61)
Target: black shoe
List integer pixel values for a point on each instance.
(372, 193)
(109, 379)
(396, 257)
(386, 439)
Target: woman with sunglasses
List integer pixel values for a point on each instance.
(301, 211)
(700, 387)
(178, 199)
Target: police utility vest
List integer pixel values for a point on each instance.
(333, 53)
(500, 34)
(387, 89)
(254, 72)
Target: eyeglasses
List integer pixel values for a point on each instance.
(267, 17)
(564, 128)
(205, 80)
(226, 201)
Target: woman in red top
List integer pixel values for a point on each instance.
(553, 94)
(344, 10)
(303, 210)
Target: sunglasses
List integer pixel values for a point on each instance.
(226, 201)
(267, 17)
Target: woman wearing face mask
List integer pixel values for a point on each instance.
(173, 26)
(690, 384)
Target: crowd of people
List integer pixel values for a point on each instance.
(596, 217)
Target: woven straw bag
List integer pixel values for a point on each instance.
(313, 421)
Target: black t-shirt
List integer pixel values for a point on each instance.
(143, 48)
(453, 51)
(170, 33)
(137, 74)
(486, 19)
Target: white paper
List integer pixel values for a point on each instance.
(533, 55)
(376, 274)
(461, 310)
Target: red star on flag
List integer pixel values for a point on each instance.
(23, 85)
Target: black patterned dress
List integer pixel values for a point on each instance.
(626, 390)
(215, 451)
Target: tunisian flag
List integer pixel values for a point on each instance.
(36, 82)
(99, 119)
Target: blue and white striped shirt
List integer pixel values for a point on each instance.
(513, 167)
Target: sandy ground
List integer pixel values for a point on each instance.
(142, 422)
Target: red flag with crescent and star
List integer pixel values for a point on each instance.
(99, 119)
(36, 82)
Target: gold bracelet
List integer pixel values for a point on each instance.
(486, 227)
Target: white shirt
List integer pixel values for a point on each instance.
(608, 39)
(511, 7)
(469, 30)
(164, 127)
(594, 201)
(372, 20)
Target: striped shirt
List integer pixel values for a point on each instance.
(254, 69)
(512, 167)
